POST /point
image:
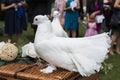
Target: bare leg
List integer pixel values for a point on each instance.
(10, 37)
(68, 32)
(17, 38)
(118, 44)
(113, 38)
(74, 33)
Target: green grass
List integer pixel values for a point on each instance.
(113, 74)
(27, 36)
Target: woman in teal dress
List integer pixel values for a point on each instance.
(71, 17)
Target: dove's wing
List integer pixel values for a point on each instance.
(95, 47)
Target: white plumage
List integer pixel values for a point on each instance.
(57, 27)
(29, 50)
(73, 4)
(83, 55)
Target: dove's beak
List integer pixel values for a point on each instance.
(33, 23)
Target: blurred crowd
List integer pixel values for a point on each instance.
(95, 14)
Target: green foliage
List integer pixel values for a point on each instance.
(106, 67)
(19, 60)
(113, 74)
(2, 62)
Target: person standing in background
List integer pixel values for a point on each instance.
(38, 7)
(107, 11)
(15, 20)
(91, 27)
(115, 37)
(81, 16)
(71, 16)
(59, 6)
(94, 8)
(81, 12)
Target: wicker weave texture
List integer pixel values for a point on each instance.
(24, 72)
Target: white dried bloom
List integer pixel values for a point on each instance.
(9, 52)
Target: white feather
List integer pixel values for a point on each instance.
(73, 4)
(57, 28)
(29, 50)
(83, 55)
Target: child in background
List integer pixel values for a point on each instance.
(91, 27)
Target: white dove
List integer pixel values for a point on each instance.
(83, 55)
(57, 27)
(28, 49)
(73, 4)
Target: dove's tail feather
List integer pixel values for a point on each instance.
(85, 66)
(88, 61)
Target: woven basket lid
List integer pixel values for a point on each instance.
(9, 52)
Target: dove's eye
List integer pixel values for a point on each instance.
(36, 19)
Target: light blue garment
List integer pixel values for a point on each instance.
(71, 17)
(56, 6)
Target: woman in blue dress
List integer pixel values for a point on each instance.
(71, 17)
(15, 19)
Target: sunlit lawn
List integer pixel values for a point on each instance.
(113, 74)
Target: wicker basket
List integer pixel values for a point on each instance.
(31, 72)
